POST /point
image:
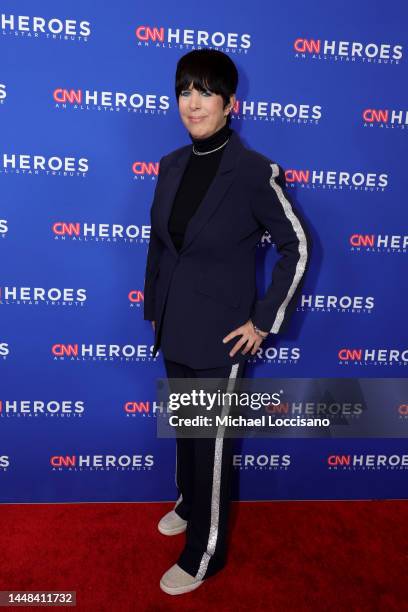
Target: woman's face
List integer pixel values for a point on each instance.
(202, 111)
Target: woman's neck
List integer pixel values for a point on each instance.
(212, 142)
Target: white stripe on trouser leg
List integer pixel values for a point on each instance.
(216, 484)
(180, 499)
(176, 481)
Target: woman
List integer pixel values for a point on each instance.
(212, 203)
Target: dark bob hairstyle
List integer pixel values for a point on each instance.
(208, 69)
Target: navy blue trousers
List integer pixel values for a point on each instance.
(203, 478)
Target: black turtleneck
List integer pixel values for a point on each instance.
(198, 175)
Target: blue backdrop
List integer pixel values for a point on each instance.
(87, 108)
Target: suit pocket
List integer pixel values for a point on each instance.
(224, 293)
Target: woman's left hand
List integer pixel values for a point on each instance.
(249, 337)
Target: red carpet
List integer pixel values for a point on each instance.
(284, 556)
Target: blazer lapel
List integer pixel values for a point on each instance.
(223, 178)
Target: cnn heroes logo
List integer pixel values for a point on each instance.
(147, 35)
(128, 353)
(347, 51)
(333, 303)
(41, 27)
(14, 163)
(336, 179)
(39, 295)
(378, 243)
(110, 101)
(385, 118)
(142, 170)
(92, 463)
(363, 462)
(102, 463)
(271, 111)
(376, 357)
(277, 355)
(145, 409)
(41, 408)
(261, 462)
(82, 231)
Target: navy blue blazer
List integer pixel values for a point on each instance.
(201, 293)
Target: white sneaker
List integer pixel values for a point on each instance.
(171, 524)
(177, 581)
